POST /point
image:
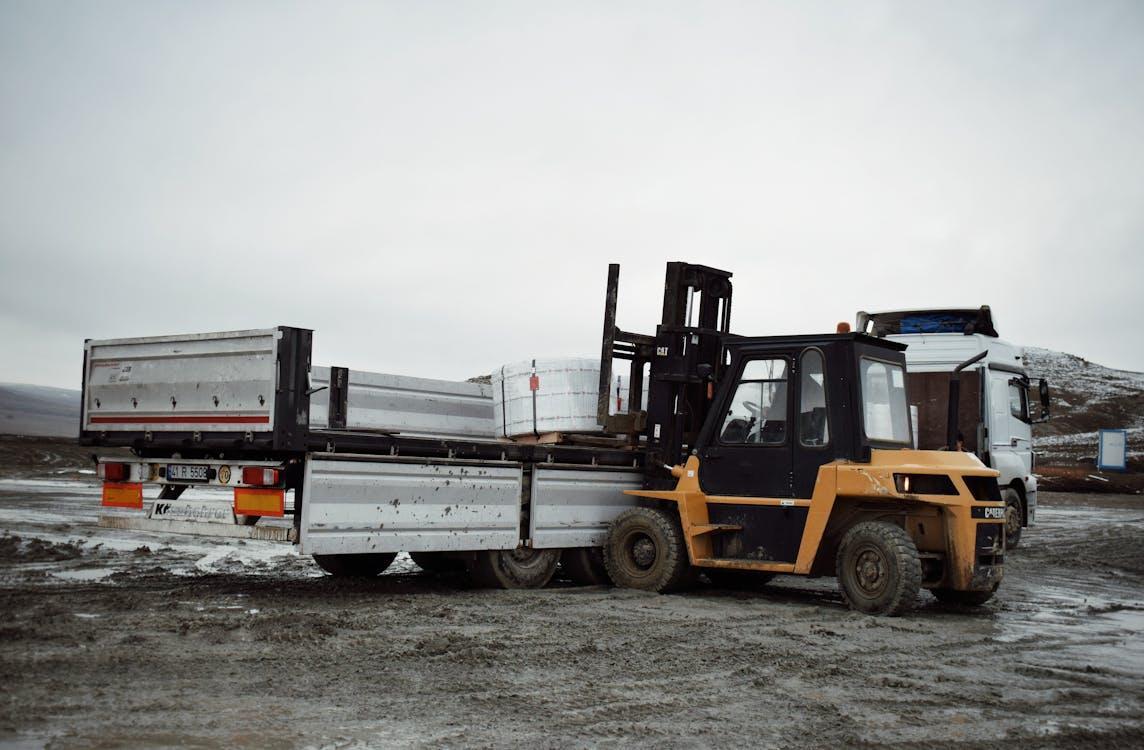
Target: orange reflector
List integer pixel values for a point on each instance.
(123, 495)
(250, 502)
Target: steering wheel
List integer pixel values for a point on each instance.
(753, 408)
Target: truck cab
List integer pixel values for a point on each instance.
(998, 403)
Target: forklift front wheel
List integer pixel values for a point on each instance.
(878, 569)
(645, 550)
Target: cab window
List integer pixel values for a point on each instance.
(813, 428)
(885, 414)
(1018, 400)
(758, 412)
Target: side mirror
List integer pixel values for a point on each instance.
(1043, 391)
(705, 370)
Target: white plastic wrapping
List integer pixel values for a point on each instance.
(563, 400)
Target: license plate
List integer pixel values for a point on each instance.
(187, 473)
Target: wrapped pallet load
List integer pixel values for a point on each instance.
(538, 397)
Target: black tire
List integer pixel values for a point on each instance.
(1014, 516)
(437, 562)
(743, 580)
(355, 566)
(964, 598)
(878, 569)
(585, 566)
(522, 568)
(645, 550)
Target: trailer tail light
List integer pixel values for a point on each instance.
(114, 472)
(123, 495)
(259, 476)
(252, 502)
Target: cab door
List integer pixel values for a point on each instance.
(746, 467)
(749, 454)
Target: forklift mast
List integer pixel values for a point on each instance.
(684, 359)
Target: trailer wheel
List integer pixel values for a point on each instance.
(585, 566)
(964, 598)
(436, 562)
(645, 550)
(878, 569)
(1014, 513)
(737, 579)
(355, 566)
(521, 568)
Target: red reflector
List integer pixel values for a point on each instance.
(259, 476)
(114, 472)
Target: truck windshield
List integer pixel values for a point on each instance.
(885, 415)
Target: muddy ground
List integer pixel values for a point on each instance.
(130, 639)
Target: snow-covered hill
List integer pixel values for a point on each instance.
(39, 410)
(1086, 397)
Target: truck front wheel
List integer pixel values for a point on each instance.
(878, 569)
(645, 550)
(355, 566)
(1014, 516)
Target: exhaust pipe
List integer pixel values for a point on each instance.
(952, 428)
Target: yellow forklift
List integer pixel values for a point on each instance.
(788, 455)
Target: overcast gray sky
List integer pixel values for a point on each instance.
(437, 188)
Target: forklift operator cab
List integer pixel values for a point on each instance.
(786, 411)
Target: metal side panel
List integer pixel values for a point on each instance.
(208, 382)
(573, 507)
(394, 505)
(411, 406)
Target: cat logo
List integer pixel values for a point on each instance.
(224, 474)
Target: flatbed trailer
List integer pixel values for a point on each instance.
(232, 411)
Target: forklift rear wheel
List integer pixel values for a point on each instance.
(878, 569)
(585, 566)
(737, 579)
(645, 550)
(964, 598)
(1013, 517)
(522, 568)
(355, 566)
(436, 562)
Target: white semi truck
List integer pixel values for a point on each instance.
(994, 400)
